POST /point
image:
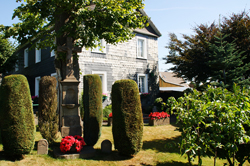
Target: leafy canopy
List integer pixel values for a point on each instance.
(86, 21)
(193, 57)
(7, 59)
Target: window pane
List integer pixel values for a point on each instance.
(142, 84)
(140, 47)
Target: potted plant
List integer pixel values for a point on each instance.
(104, 96)
(159, 118)
(110, 119)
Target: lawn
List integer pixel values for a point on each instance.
(155, 151)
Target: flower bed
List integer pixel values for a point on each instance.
(159, 118)
(72, 144)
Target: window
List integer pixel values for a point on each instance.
(103, 76)
(142, 81)
(52, 53)
(141, 48)
(17, 65)
(37, 80)
(101, 48)
(26, 57)
(38, 55)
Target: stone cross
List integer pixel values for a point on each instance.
(42, 146)
(69, 58)
(70, 121)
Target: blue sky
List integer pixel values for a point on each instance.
(169, 16)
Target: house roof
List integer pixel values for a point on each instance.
(151, 29)
(170, 77)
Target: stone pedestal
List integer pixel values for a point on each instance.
(70, 116)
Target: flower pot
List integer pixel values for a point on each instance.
(158, 122)
(110, 121)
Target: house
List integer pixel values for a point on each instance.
(170, 85)
(136, 59)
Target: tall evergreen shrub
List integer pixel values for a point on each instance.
(16, 116)
(92, 108)
(48, 117)
(127, 117)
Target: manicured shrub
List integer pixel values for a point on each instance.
(92, 108)
(81, 99)
(47, 115)
(16, 116)
(127, 117)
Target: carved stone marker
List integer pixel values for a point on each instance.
(42, 146)
(106, 146)
(70, 115)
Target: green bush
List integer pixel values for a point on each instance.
(106, 111)
(48, 117)
(81, 99)
(127, 117)
(16, 116)
(214, 123)
(92, 108)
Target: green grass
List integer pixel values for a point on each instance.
(156, 151)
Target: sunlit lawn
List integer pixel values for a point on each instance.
(154, 152)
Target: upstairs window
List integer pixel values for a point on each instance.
(141, 48)
(101, 48)
(26, 57)
(38, 55)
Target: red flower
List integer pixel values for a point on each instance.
(110, 115)
(68, 141)
(158, 115)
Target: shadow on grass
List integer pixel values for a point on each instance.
(113, 156)
(160, 145)
(172, 163)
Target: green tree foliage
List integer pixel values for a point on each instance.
(86, 21)
(16, 116)
(7, 59)
(48, 117)
(127, 117)
(190, 56)
(226, 63)
(92, 108)
(214, 123)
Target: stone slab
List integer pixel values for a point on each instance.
(72, 130)
(106, 146)
(42, 147)
(86, 152)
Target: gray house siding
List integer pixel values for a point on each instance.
(121, 62)
(40, 69)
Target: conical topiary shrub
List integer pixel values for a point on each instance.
(127, 117)
(16, 116)
(48, 117)
(92, 108)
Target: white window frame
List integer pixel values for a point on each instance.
(145, 90)
(104, 80)
(52, 53)
(17, 64)
(37, 80)
(144, 56)
(26, 57)
(38, 54)
(101, 48)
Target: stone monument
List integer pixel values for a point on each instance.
(42, 146)
(70, 114)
